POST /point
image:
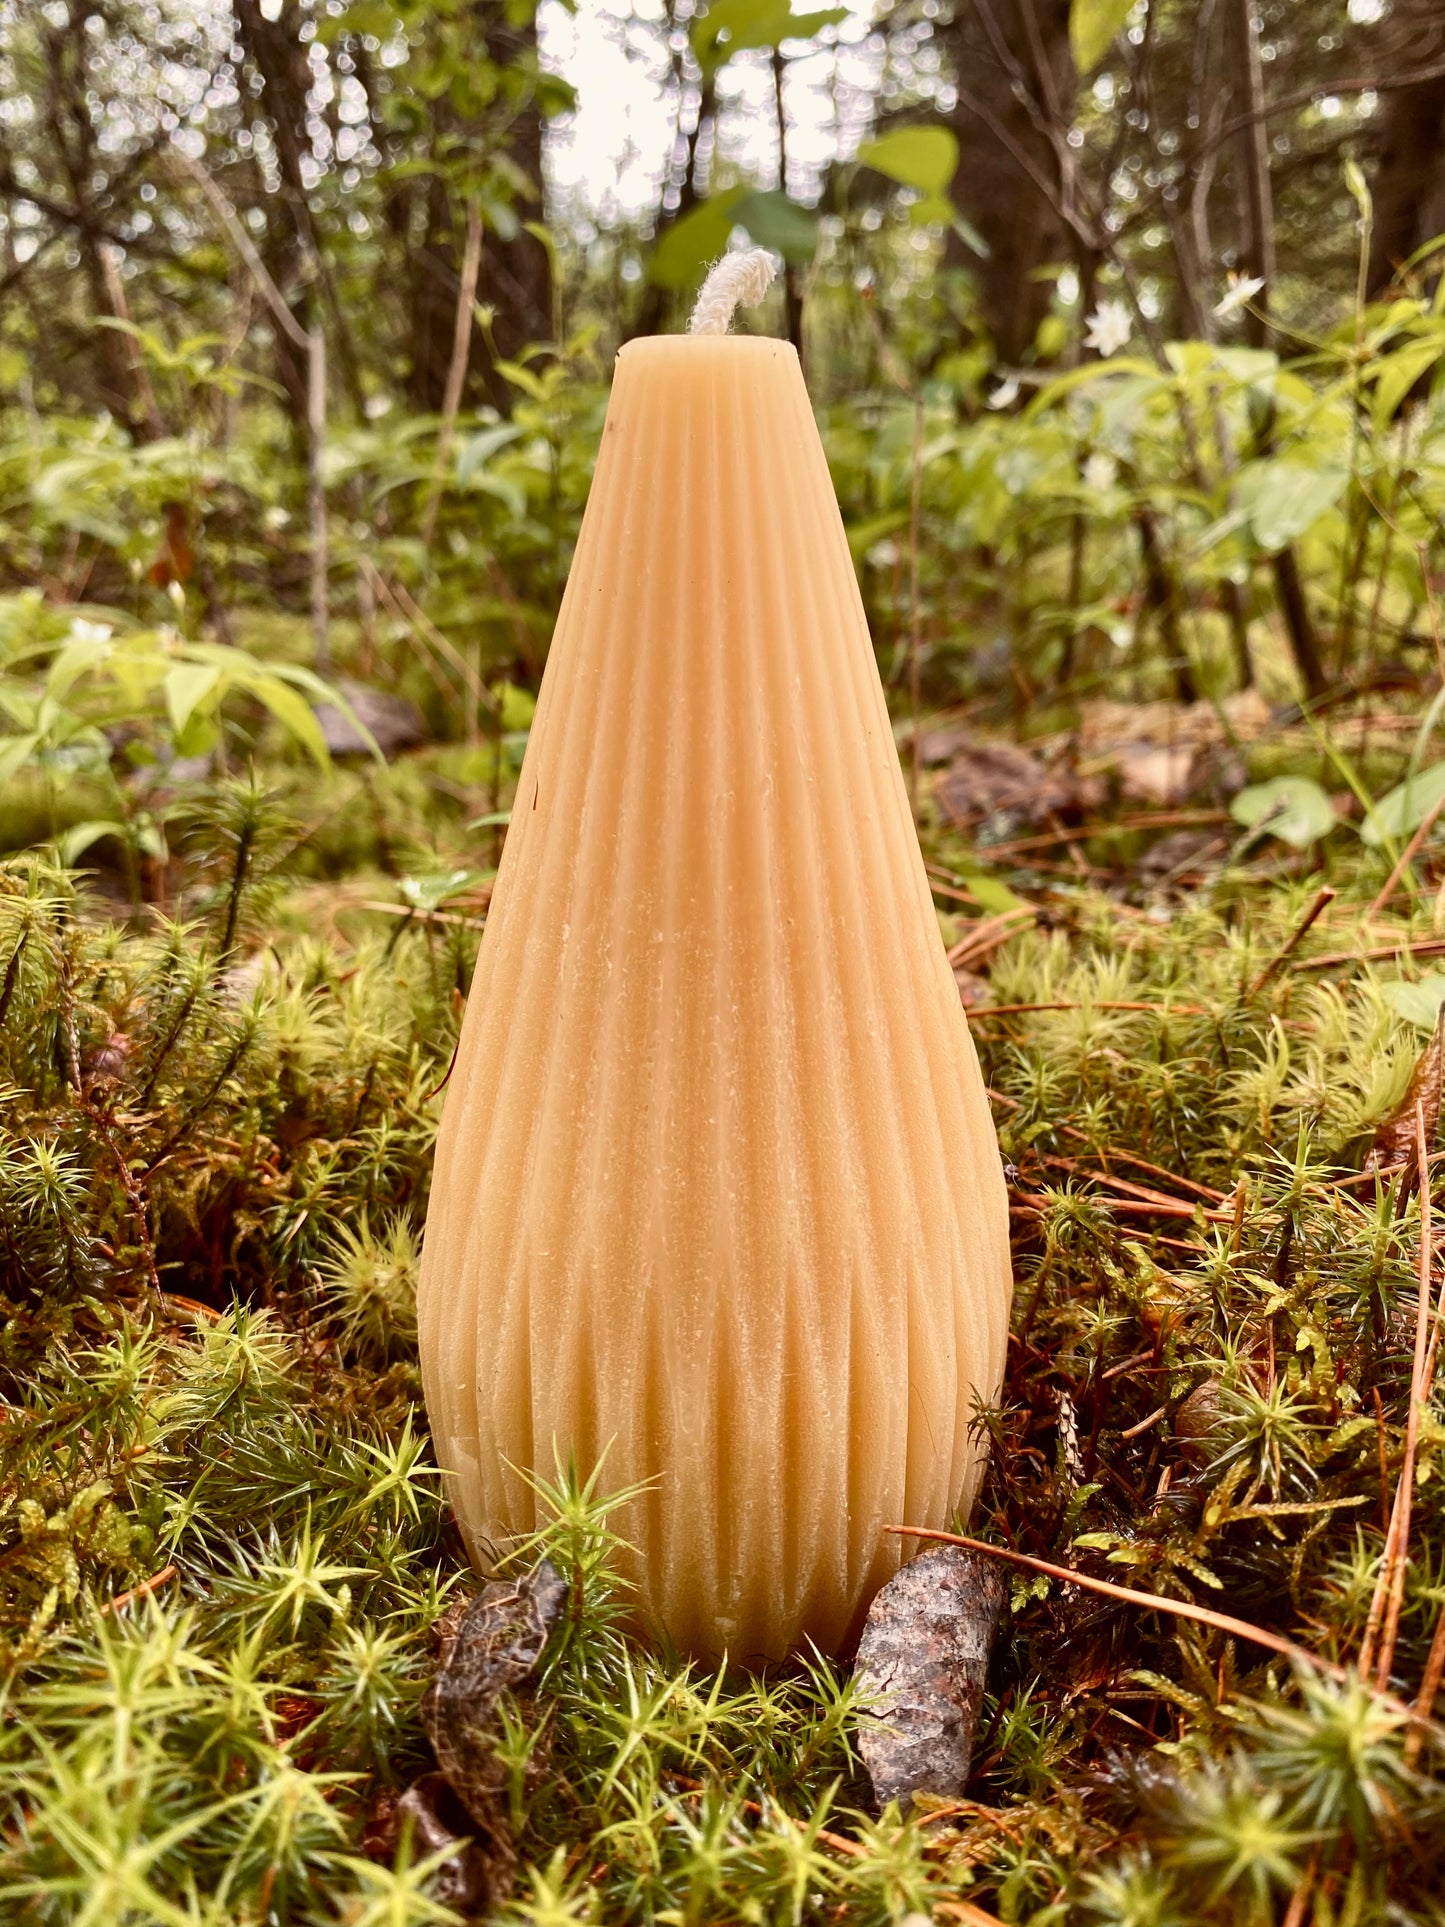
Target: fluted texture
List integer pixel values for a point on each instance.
(716, 1189)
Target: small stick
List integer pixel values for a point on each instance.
(1321, 903)
(1144, 1424)
(1408, 855)
(1390, 1582)
(1427, 947)
(989, 933)
(1429, 1688)
(141, 1591)
(1150, 1601)
(1419, 1395)
(1304, 1886)
(1102, 1003)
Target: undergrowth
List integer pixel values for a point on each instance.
(225, 1545)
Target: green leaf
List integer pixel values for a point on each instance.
(15, 753)
(921, 157)
(517, 707)
(1293, 808)
(773, 221)
(294, 714)
(81, 836)
(1418, 1003)
(1282, 499)
(186, 687)
(1094, 25)
(729, 26)
(1396, 373)
(431, 892)
(992, 893)
(685, 249)
(1404, 809)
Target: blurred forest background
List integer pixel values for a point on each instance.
(1120, 320)
(1124, 324)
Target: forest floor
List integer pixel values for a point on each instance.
(1215, 1067)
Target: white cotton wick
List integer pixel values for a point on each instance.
(738, 280)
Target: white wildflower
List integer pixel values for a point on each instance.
(1110, 326)
(1100, 472)
(1006, 394)
(1241, 289)
(93, 632)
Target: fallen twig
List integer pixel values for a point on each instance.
(142, 1591)
(989, 933)
(1389, 1596)
(1149, 1601)
(1321, 903)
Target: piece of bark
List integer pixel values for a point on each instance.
(490, 1644)
(921, 1668)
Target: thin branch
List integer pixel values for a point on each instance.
(457, 372)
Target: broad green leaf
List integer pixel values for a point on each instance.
(431, 892)
(81, 836)
(773, 221)
(1397, 373)
(294, 715)
(921, 157)
(1293, 808)
(729, 26)
(1418, 1003)
(689, 245)
(478, 449)
(1284, 498)
(186, 687)
(1404, 809)
(15, 753)
(517, 707)
(992, 893)
(1094, 25)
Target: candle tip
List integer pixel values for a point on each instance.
(738, 280)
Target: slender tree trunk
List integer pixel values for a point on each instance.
(1408, 185)
(792, 290)
(1016, 88)
(1257, 259)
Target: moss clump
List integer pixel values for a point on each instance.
(226, 1547)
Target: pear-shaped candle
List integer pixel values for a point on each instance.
(717, 1192)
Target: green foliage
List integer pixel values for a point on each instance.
(226, 1544)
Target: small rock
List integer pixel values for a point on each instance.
(394, 721)
(922, 1664)
(936, 746)
(987, 779)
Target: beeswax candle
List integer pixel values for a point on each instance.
(717, 1191)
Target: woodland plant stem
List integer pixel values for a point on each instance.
(1389, 1595)
(456, 371)
(1407, 856)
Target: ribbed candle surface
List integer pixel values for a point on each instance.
(717, 1189)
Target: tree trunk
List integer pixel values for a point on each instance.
(1409, 177)
(1016, 88)
(1257, 259)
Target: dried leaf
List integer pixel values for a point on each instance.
(921, 1668)
(1396, 1146)
(1000, 780)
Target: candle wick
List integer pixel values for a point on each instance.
(738, 280)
